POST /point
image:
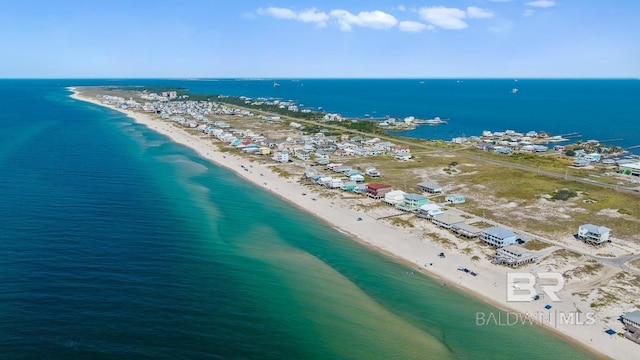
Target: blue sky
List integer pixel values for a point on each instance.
(320, 39)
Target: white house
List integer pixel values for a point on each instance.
(455, 198)
(429, 211)
(498, 236)
(335, 183)
(513, 255)
(394, 197)
(593, 234)
(281, 156)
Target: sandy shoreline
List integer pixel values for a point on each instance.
(407, 245)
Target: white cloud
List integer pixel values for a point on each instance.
(279, 13)
(529, 12)
(413, 26)
(542, 3)
(443, 17)
(345, 19)
(374, 19)
(308, 16)
(432, 17)
(452, 18)
(312, 15)
(476, 12)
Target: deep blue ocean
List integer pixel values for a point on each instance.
(117, 243)
(604, 110)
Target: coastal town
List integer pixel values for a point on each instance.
(436, 194)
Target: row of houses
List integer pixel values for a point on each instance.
(197, 114)
(502, 239)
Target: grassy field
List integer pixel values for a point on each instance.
(498, 192)
(535, 245)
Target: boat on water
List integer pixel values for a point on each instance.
(275, 84)
(514, 90)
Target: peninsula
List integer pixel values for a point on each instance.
(466, 219)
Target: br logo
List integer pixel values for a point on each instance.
(521, 287)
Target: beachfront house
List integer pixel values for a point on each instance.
(513, 255)
(377, 190)
(447, 221)
(356, 178)
(429, 211)
(466, 230)
(412, 202)
(594, 234)
(430, 187)
(394, 197)
(631, 321)
(360, 189)
(335, 183)
(498, 236)
(348, 185)
(455, 198)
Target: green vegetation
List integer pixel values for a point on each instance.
(590, 268)
(282, 172)
(624, 212)
(567, 254)
(535, 244)
(563, 194)
(605, 298)
(605, 255)
(442, 241)
(635, 264)
(400, 222)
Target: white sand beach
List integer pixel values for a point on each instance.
(412, 246)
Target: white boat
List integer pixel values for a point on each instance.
(514, 90)
(275, 84)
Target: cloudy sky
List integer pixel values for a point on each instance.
(320, 39)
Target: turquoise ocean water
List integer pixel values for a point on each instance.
(116, 243)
